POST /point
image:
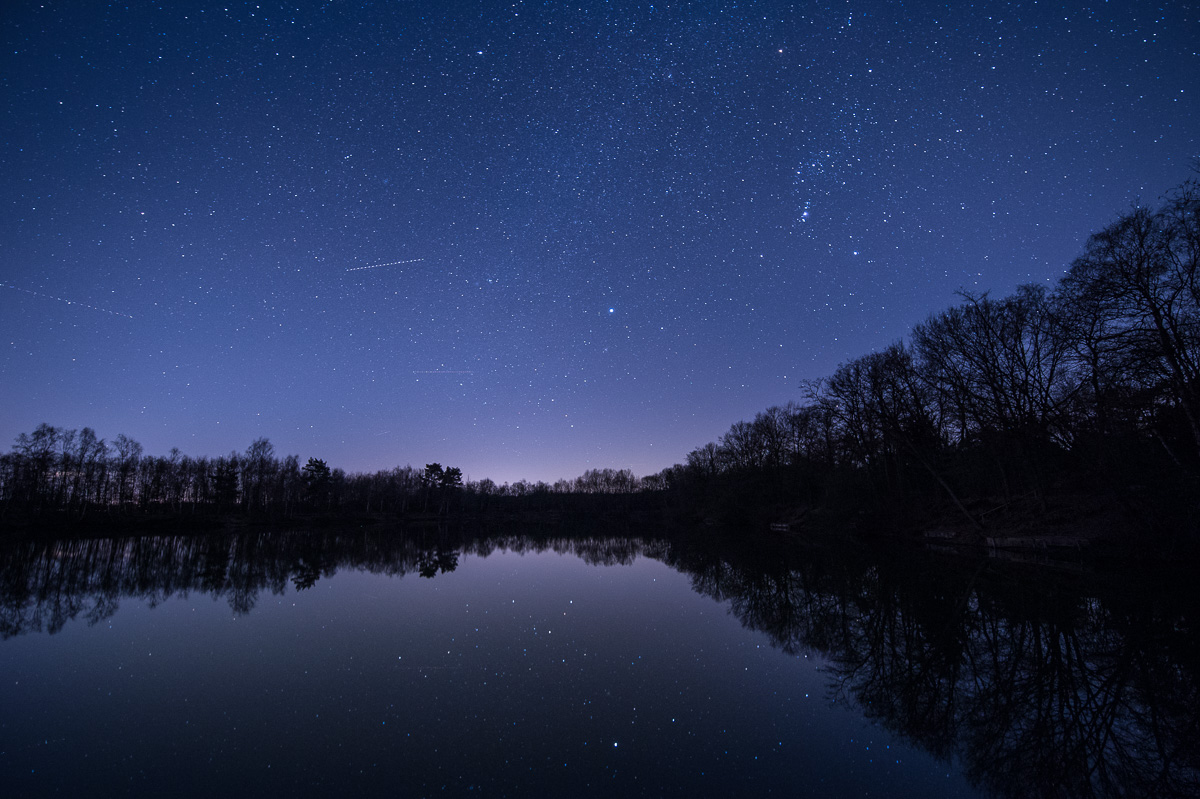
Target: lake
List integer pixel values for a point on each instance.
(523, 663)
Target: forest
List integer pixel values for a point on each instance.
(1083, 398)
(1039, 407)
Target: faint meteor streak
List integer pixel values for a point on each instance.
(68, 302)
(442, 372)
(392, 263)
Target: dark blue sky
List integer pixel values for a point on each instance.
(530, 239)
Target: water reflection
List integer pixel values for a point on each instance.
(1076, 686)
(1046, 687)
(45, 584)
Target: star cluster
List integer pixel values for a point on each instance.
(531, 239)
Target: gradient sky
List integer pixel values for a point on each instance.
(528, 239)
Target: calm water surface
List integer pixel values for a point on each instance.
(511, 665)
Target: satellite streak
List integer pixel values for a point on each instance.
(68, 302)
(376, 266)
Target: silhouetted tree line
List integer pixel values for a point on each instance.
(55, 472)
(1089, 392)
(1091, 388)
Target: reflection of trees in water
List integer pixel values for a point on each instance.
(1045, 690)
(437, 561)
(595, 550)
(45, 584)
(1089, 704)
(1079, 690)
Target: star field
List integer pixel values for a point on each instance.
(531, 239)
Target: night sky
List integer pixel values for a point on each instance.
(529, 239)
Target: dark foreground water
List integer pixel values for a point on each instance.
(383, 664)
